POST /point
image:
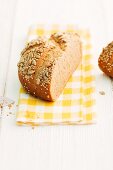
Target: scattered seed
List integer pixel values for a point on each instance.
(102, 92)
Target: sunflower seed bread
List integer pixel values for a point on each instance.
(105, 61)
(46, 65)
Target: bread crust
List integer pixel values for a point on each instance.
(60, 56)
(105, 61)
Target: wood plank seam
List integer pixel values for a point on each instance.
(9, 56)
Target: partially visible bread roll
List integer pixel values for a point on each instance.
(46, 65)
(105, 60)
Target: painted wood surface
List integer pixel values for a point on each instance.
(55, 147)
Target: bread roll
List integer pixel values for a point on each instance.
(46, 65)
(105, 60)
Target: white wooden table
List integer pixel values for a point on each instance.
(55, 147)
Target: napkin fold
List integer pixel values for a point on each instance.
(76, 105)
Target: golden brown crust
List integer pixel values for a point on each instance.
(43, 63)
(105, 60)
(36, 90)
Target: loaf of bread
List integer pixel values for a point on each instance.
(46, 65)
(105, 60)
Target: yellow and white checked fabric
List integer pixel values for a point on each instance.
(76, 105)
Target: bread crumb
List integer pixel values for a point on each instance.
(1, 105)
(9, 106)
